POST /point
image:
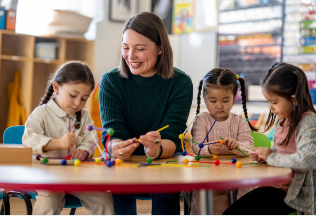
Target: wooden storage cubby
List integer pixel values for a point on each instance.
(42, 71)
(18, 52)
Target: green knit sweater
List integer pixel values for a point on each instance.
(136, 105)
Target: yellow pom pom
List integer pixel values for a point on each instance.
(77, 162)
(181, 136)
(220, 141)
(98, 160)
(237, 77)
(215, 157)
(186, 161)
(238, 164)
(118, 161)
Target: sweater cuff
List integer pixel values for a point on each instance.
(39, 148)
(270, 158)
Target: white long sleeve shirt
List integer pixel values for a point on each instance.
(48, 122)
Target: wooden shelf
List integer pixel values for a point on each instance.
(18, 53)
(15, 58)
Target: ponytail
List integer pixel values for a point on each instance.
(48, 94)
(78, 115)
(199, 97)
(243, 96)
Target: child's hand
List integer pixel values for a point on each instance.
(78, 153)
(215, 148)
(67, 141)
(231, 143)
(253, 156)
(262, 153)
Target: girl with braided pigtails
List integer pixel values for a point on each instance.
(58, 127)
(219, 87)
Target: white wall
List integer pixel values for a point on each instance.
(108, 42)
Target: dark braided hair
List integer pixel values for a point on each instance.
(70, 72)
(286, 80)
(199, 98)
(223, 77)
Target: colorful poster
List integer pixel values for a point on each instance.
(183, 16)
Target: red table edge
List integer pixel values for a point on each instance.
(126, 188)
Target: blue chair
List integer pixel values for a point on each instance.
(5, 209)
(13, 135)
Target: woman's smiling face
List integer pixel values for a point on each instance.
(140, 53)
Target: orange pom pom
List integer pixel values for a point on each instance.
(186, 161)
(238, 164)
(118, 161)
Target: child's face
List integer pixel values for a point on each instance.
(219, 102)
(72, 97)
(278, 105)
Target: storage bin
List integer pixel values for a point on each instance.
(46, 50)
(2, 18)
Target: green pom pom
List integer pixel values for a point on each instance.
(45, 160)
(110, 131)
(149, 160)
(197, 157)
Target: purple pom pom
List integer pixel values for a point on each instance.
(38, 157)
(90, 127)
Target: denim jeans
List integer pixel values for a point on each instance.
(162, 204)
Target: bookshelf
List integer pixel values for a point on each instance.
(18, 52)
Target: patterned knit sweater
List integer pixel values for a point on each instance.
(235, 126)
(136, 105)
(302, 191)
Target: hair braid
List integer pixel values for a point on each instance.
(48, 94)
(78, 115)
(244, 99)
(199, 97)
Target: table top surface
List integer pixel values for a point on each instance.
(128, 178)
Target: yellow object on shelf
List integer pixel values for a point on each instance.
(16, 115)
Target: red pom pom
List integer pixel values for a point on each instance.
(68, 157)
(216, 162)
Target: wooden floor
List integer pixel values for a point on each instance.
(18, 207)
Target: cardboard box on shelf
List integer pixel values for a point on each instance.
(15, 153)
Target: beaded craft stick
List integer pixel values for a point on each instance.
(158, 130)
(69, 130)
(108, 133)
(201, 145)
(239, 149)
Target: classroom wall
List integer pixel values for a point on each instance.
(108, 41)
(194, 53)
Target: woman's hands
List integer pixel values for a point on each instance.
(124, 149)
(261, 154)
(151, 142)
